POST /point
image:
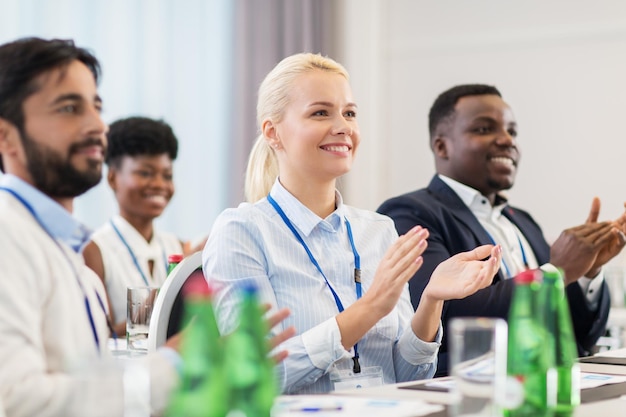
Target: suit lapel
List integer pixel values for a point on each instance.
(463, 214)
(535, 239)
(458, 208)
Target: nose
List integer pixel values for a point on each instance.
(343, 127)
(95, 125)
(505, 138)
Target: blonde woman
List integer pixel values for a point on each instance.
(342, 271)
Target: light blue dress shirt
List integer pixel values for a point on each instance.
(252, 244)
(53, 217)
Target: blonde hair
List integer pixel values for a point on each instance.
(273, 98)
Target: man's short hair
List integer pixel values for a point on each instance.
(443, 107)
(135, 136)
(23, 60)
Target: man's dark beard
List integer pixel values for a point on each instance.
(55, 176)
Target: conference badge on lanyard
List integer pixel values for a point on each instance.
(370, 376)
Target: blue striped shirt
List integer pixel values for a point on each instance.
(252, 244)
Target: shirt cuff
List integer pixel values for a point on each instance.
(323, 344)
(592, 288)
(415, 351)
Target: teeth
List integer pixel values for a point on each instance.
(157, 199)
(342, 148)
(503, 160)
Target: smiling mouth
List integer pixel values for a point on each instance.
(503, 160)
(336, 148)
(157, 198)
(92, 151)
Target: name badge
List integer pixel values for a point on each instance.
(370, 376)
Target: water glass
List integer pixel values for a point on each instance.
(478, 349)
(140, 301)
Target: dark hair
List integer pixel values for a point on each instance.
(443, 107)
(23, 60)
(135, 136)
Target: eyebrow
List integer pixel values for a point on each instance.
(73, 97)
(329, 104)
(491, 119)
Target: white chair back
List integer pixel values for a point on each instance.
(168, 297)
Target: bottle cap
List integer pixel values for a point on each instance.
(529, 276)
(174, 258)
(249, 289)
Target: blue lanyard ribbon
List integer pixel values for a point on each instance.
(524, 258)
(132, 254)
(357, 268)
(82, 288)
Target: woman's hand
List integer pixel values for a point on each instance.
(399, 264)
(457, 277)
(396, 268)
(463, 274)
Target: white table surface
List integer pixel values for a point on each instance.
(613, 407)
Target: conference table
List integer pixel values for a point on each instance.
(606, 400)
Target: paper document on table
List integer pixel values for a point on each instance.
(336, 406)
(592, 380)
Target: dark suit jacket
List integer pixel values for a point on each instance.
(454, 228)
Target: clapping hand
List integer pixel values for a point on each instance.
(464, 273)
(583, 250)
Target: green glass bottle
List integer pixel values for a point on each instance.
(251, 377)
(201, 391)
(172, 261)
(559, 326)
(528, 361)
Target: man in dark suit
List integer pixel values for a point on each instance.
(473, 137)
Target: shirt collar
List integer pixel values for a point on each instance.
(140, 247)
(477, 203)
(55, 219)
(301, 216)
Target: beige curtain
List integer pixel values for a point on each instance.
(266, 31)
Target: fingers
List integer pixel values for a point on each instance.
(589, 232)
(280, 356)
(277, 317)
(478, 253)
(286, 334)
(594, 213)
(603, 235)
(405, 253)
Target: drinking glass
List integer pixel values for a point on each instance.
(140, 301)
(478, 349)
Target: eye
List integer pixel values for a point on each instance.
(513, 132)
(143, 173)
(68, 108)
(482, 130)
(350, 114)
(320, 113)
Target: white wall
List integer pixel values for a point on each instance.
(561, 65)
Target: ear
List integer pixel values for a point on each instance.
(9, 137)
(439, 146)
(4, 132)
(112, 172)
(270, 134)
